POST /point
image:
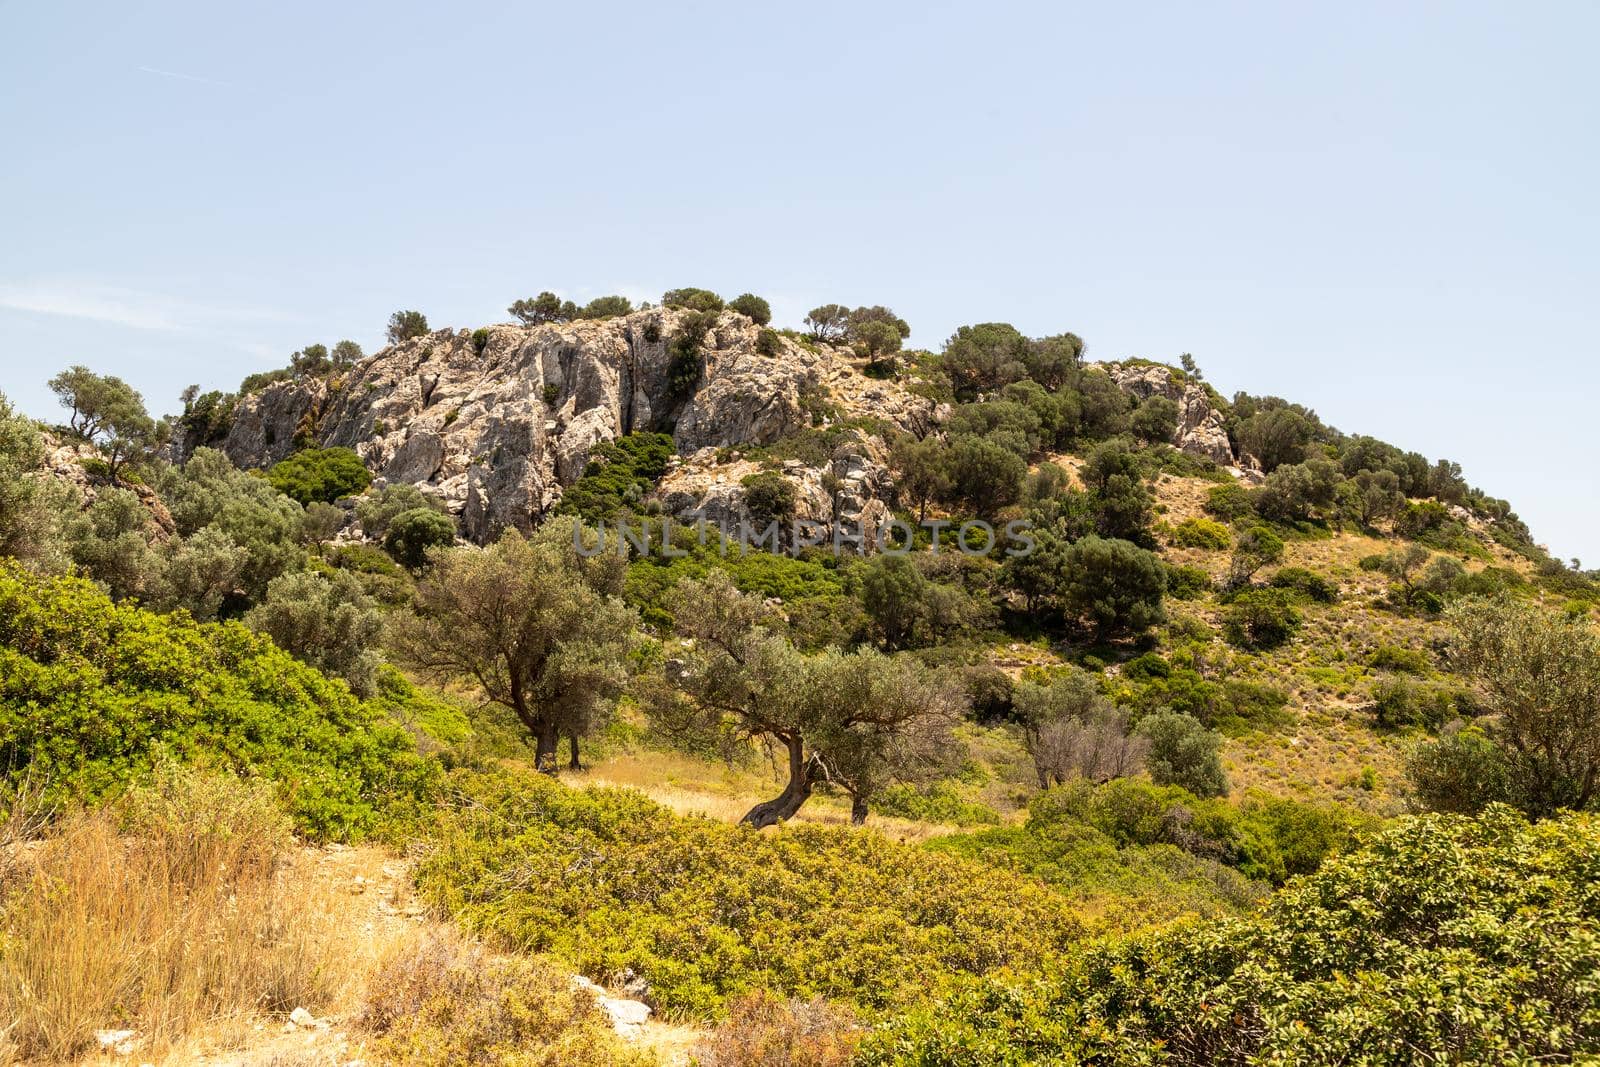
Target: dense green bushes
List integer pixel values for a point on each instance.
(93, 694)
(1445, 940)
(704, 911)
(617, 477)
(320, 474)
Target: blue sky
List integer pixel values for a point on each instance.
(1386, 211)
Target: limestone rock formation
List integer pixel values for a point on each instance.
(498, 422)
(1200, 426)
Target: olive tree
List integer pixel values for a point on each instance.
(326, 621)
(857, 720)
(541, 633)
(108, 413)
(1538, 673)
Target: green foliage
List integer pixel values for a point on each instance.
(1229, 502)
(706, 912)
(208, 492)
(1398, 702)
(1114, 586)
(412, 534)
(375, 511)
(769, 342)
(546, 307)
(108, 413)
(93, 695)
(1445, 940)
(769, 497)
(1462, 772)
(1539, 673)
(617, 477)
(405, 325)
(1395, 658)
(1260, 619)
(985, 357)
(1155, 421)
(937, 802)
(327, 622)
(320, 474)
(480, 340)
(605, 307)
(752, 307)
(1201, 533)
(1183, 753)
(702, 300)
(1188, 583)
(686, 361)
(1309, 584)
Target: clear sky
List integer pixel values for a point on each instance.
(1386, 211)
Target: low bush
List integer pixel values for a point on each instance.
(1445, 940)
(320, 474)
(939, 802)
(1260, 619)
(618, 476)
(94, 694)
(1307, 583)
(1201, 533)
(705, 912)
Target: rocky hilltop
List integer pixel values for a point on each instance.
(497, 422)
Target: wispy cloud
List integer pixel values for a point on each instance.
(125, 307)
(181, 76)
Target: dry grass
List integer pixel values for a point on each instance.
(764, 1031)
(691, 786)
(185, 909)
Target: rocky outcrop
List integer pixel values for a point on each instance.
(1201, 430)
(70, 464)
(499, 421)
(851, 491)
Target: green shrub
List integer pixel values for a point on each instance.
(412, 533)
(480, 340)
(768, 343)
(1395, 658)
(701, 300)
(1229, 502)
(1201, 533)
(93, 695)
(320, 474)
(1260, 619)
(1445, 940)
(1310, 584)
(769, 497)
(938, 802)
(617, 477)
(752, 307)
(705, 912)
(1188, 583)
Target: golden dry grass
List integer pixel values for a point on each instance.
(691, 786)
(187, 915)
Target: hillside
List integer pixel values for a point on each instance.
(1214, 675)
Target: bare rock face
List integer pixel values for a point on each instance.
(852, 491)
(1200, 427)
(498, 422)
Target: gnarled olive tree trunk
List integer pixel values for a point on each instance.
(802, 777)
